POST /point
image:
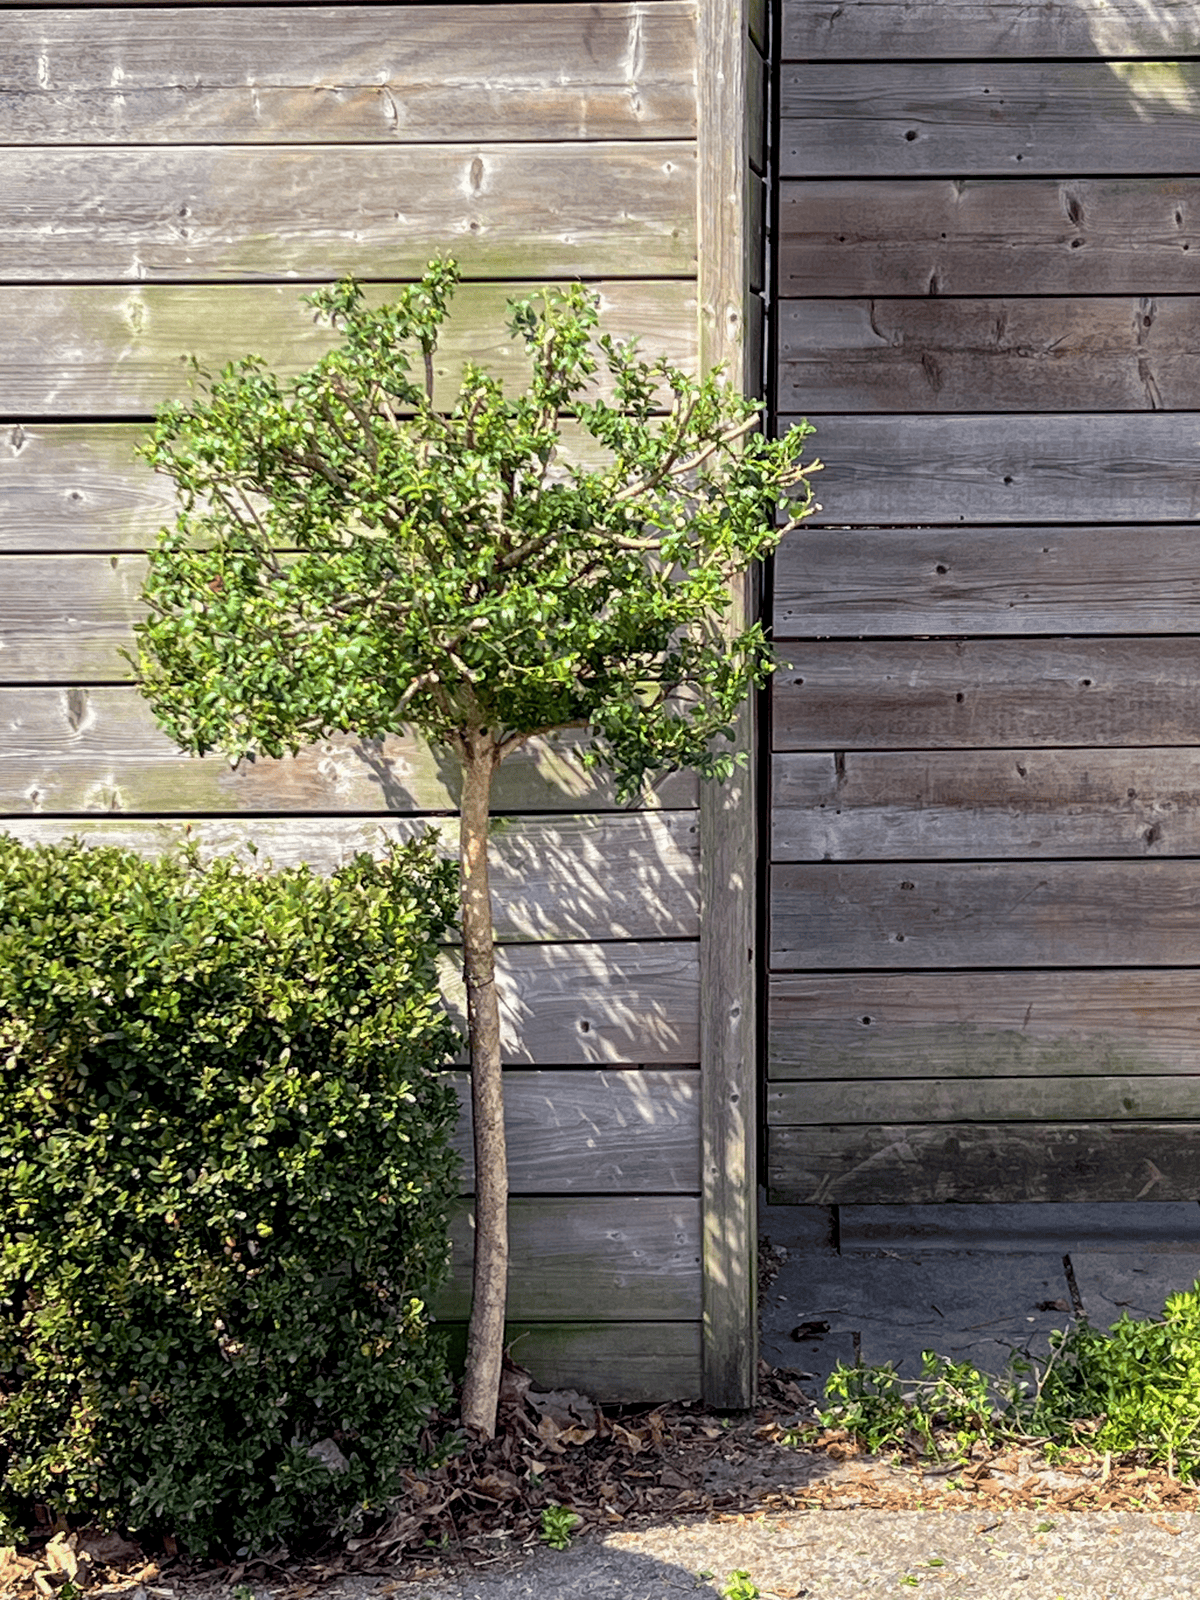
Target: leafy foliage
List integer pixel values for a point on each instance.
(558, 1525)
(450, 571)
(887, 1413)
(224, 1186)
(1136, 1387)
(740, 1586)
(1133, 1388)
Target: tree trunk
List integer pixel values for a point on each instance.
(485, 1338)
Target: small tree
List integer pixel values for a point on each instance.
(349, 558)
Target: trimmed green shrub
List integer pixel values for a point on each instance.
(225, 1180)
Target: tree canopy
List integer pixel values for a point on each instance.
(349, 558)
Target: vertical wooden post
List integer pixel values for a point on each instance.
(727, 811)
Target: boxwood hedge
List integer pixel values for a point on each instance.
(224, 1185)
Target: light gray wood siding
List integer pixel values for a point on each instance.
(985, 779)
(175, 179)
(443, 74)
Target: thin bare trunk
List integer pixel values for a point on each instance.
(485, 1337)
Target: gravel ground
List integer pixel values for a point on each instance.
(842, 1555)
(849, 1555)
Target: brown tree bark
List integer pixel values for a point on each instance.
(485, 1336)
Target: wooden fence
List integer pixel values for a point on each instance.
(174, 179)
(985, 933)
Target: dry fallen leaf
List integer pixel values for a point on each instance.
(498, 1485)
(60, 1557)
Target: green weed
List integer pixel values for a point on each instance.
(741, 1586)
(558, 1524)
(1135, 1387)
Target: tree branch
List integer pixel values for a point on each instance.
(680, 469)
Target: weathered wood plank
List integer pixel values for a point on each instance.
(385, 74)
(1084, 468)
(827, 30)
(971, 803)
(89, 750)
(1000, 1025)
(618, 1363)
(987, 692)
(728, 811)
(595, 876)
(985, 914)
(594, 1132)
(987, 236)
(896, 582)
(69, 616)
(611, 1258)
(625, 1003)
(1048, 354)
(890, 1165)
(77, 486)
(932, 1100)
(927, 118)
(224, 213)
(101, 350)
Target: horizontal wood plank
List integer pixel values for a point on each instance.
(97, 349)
(1083, 468)
(67, 487)
(896, 582)
(985, 914)
(917, 119)
(87, 750)
(595, 876)
(977, 235)
(608, 1258)
(617, 1363)
(593, 1132)
(110, 351)
(1042, 1099)
(627, 1003)
(225, 213)
(1047, 354)
(931, 805)
(79, 486)
(880, 1025)
(899, 1165)
(829, 30)
(389, 73)
(981, 693)
(68, 615)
